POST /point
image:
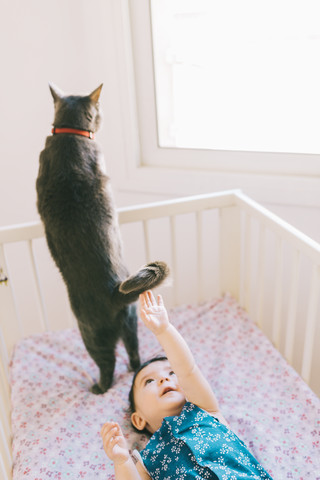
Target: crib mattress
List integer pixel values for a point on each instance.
(56, 421)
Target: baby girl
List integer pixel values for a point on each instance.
(172, 401)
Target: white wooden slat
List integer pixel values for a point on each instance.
(5, 413)
(174, 267)
(261, 272)
(292, 307)
(12, 291)
(145, 224)
(247, 263)
(5, 392)
(199, 256)
(242, 262)
(311, 324)
(5, 470)
(4, 356)
(5, 456)
(230, 236)
(278, 293)
(40, 297)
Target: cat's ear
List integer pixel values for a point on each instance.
(94, 96)
(55, 92)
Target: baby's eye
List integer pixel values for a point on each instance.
(149, 380)
(172, 373)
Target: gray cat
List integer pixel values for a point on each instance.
(76, 205)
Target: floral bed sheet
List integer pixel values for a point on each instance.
(56, 421)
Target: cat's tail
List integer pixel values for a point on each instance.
(148, 277)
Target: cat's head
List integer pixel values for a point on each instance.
(81, 112)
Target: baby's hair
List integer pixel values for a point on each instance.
(132, 406)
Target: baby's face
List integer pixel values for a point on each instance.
(157, 394)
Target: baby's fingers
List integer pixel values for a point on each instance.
(109, 431)
(160, 301)
(107, 427)
(143, 301)
(154, 302)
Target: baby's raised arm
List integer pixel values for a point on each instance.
(196, 387)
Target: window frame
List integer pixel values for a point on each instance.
(218, 160)
(282, 178)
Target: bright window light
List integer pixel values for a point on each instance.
(238, 75)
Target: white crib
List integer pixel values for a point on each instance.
(213, 243)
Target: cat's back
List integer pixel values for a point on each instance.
(70, 182)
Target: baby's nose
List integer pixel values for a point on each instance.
(163, 379)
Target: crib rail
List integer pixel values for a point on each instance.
(303, 246)
(215, 243)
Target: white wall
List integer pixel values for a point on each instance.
(70, 43)
(77, 45)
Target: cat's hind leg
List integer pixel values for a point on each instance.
(106, 366)
(101, 347)
(129, 334)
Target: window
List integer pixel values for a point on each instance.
(217, 82)
(238, 75)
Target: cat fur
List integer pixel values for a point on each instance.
(75, 203)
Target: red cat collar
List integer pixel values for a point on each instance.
(75, 131)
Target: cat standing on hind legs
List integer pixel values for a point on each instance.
(76, 205)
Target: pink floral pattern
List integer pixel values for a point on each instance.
(56, 421)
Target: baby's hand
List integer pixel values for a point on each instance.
(114, 443)
(153, 314)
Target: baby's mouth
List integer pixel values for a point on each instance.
(166, 390)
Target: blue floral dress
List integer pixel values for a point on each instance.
(195, 445)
